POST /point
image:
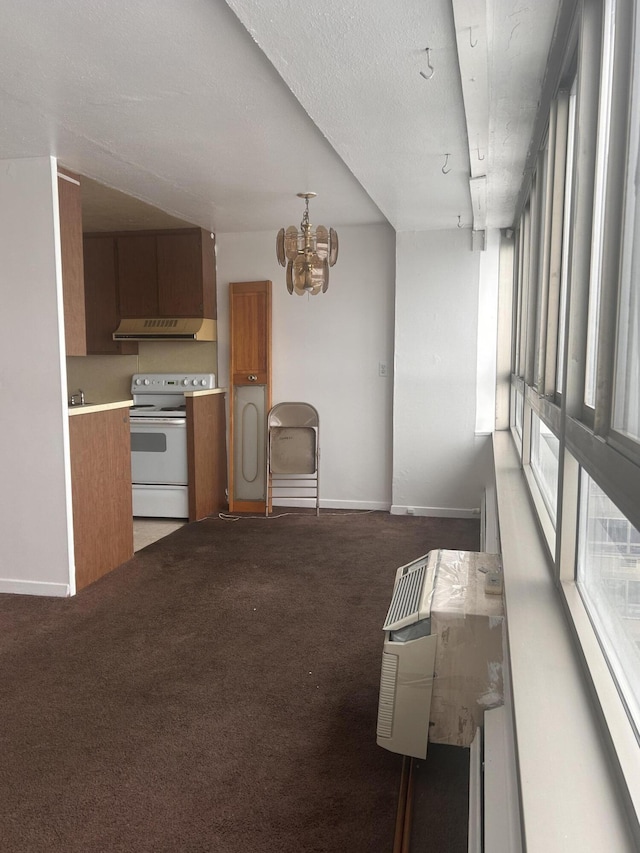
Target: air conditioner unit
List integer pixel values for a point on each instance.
(408, 655)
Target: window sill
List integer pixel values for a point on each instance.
(620, 731)
(570, 796)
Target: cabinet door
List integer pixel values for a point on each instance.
(70, 207)
(207, 455)
(137, 275)
(250, 318)
(100, 289)
(180, 285)
(100, 447)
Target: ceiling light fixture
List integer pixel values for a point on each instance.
(307, 254)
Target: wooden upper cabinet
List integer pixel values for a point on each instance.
(167, 274)
(186, 274)
(250, 322)
(100, 287)
(70, 208)
(137, 275)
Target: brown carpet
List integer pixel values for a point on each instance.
(216, 693)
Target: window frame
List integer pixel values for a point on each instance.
(586, 438)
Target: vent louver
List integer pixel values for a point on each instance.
(388, 682)
(160, 324)
(166, 329)
(412, 593)
(406, 597)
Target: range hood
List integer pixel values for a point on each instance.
(166, 329)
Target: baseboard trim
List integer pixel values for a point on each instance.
(435, 511)
(21, 587)
(309, 503)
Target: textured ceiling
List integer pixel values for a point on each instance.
(219, 113)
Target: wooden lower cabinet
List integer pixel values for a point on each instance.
(207, 455)
(100, 447)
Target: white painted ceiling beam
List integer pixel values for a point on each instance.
(470, 18)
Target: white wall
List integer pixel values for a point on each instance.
(327, 350)
(437, 459)
(35, 501)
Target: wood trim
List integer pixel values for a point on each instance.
(147, 233)
(100, 446)
(207, 455)
(209, 286)
(248, 506)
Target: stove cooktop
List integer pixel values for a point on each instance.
(163, 394)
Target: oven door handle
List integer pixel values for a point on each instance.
(141, 422)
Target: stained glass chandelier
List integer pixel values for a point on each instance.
(307, 254)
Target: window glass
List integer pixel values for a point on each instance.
(626, 415)
(565, 235)
(608, 578)
(544, 463)
(602, 155)
(541, 295)
(519, 405)
(523, 305)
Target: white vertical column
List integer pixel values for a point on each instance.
(437, 464)
(35, 491)
(487, 334)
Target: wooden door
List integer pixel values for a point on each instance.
(250, 368)
(137, 275)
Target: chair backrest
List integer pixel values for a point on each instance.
(293, 415)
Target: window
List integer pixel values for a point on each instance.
(518, 404)
(608, 578)
(564, 275)
(626, 417)
(602, 156)
(544, 463)
(576, 420)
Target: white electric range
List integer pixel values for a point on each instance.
(159, 469)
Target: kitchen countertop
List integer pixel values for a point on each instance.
(91, 408)
(204, 393)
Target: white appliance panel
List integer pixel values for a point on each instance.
(250, 403)
(160, 501)
(159, 452)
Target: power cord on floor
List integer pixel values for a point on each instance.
(227, 517)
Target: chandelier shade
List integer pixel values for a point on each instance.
(307, 254)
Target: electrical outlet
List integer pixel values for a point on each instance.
(382, 368)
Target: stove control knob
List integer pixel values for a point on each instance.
(138, 381)
(146, 381)
(203, 381)
(185, 381)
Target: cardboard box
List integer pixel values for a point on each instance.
(469, 624)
